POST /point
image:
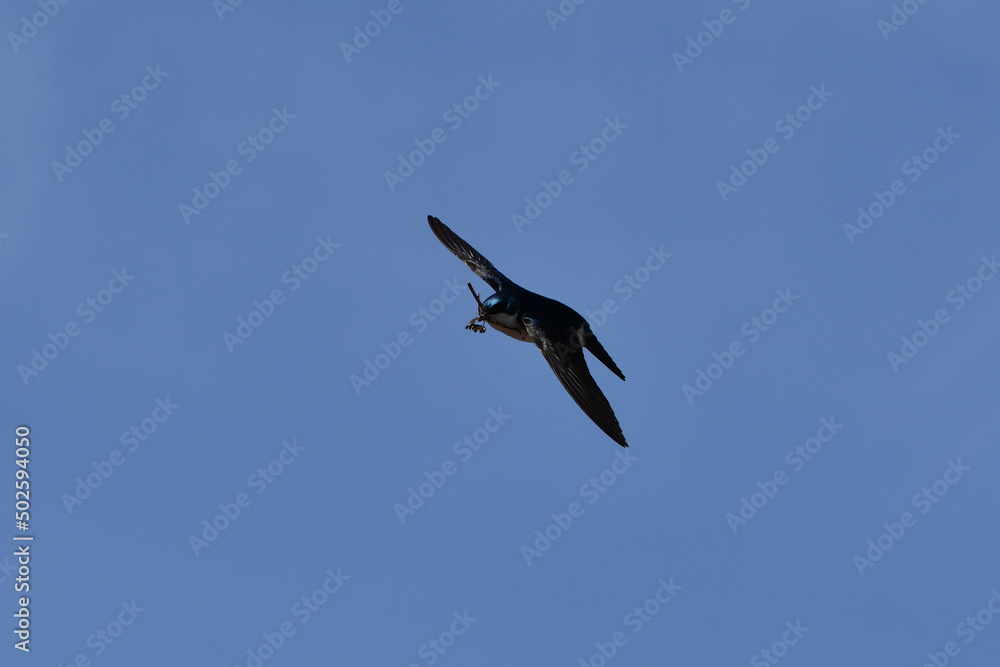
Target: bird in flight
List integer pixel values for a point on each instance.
(559, 331)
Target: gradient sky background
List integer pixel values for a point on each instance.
(323, 176)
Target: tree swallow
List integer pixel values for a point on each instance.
(559, 331)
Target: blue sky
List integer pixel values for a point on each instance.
(779, 219)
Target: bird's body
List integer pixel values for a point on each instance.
(559, 331)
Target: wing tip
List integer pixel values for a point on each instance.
(440, 230)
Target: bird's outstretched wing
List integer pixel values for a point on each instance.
(570, 366)
(481, 266)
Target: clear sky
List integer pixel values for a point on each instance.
(260, 434)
